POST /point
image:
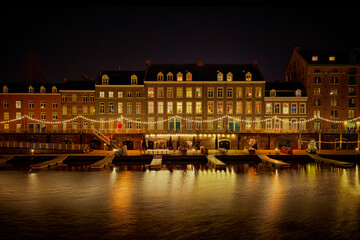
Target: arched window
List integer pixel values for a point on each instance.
(229, 77)
(54, 89)
(317, 71)
(134, 79)
(160, 76)
(5, 89)
(179, 77)
(298, 93)
(188, 76)
(105, 79)
(42, 89)
(169, 77)
(220, 76)
(248, 76)
(31, 89)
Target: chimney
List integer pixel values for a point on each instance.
(148, 62)
(200, 63)
(254, 62)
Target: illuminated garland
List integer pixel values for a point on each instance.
(182, 118)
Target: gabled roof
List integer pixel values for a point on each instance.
(284, 89)
(121, 77)
(204, 72)
(78, 85)
(24, 88)
(341, 57)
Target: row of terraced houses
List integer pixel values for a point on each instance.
(319, 92)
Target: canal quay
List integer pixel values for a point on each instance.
(158, 159)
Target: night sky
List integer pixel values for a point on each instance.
(71, 42)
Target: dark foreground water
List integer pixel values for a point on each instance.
(247, 201)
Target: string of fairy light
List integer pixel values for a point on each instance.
(234, 119)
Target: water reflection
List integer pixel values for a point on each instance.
(244, 201)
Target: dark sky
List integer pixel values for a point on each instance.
(70, 42)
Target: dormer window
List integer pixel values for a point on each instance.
(54, 89)
(134, 79)
(169, 77)
(42, 89)
(220, 76)
(188, 76)
(179, 77)
(229, 77)
(332, 58)
(298, 93)
(105, 79)
(314, 58)
(160, 76)
(272, 93)
(248, 76)
(5, 89)
(31, 89)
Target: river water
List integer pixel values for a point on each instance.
(247, 201)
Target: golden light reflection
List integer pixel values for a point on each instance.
(121, 200)
(276, 195)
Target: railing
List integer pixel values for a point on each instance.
(102, 136)
(50, 146)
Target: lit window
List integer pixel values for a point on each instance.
(314, 58)
(18, 104)
(54, 89)
(332, 58)
(179, 108)
(102, 94)
(42, 104)
(248, 76)
(220, 76)
(42, 89)
(150, 107)
(285, 108)
(229, 77)
(229, 107)
(31, 89)
(189, 92)
(298, 93)
(179, 92)
(188, 76)
(210, 107)
(151, 92)
(179, 77)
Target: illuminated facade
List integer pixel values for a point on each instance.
(331, 80)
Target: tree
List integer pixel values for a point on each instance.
(32, 72)
(312, 147)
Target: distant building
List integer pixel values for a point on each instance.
(120, 102)
(288, 102)
(38, 101)
(78, 98)
(205, 98)
(332, 82)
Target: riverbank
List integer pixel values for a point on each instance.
(101, 159)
